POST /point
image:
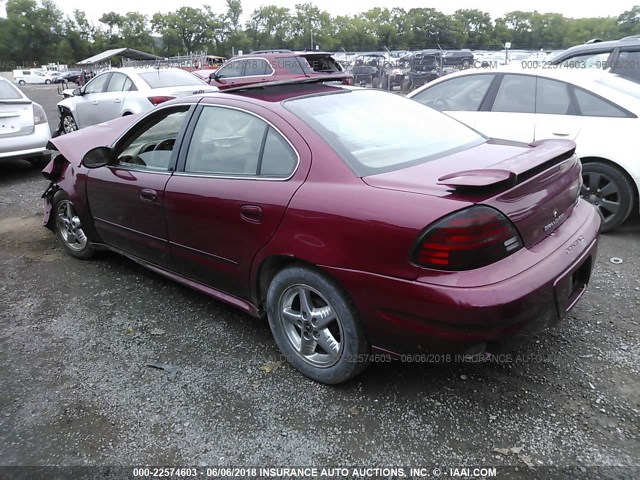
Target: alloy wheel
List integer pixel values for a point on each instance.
(602, 192)
(68, 225)
(69, 124)
(311, 326)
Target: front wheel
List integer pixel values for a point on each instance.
(316, 326)
(68, 123)
(22, 83)
(47, 82)
(607, 189)
(69, 229)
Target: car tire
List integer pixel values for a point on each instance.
(47, 82)
(333, 353)
(406, 86)
(375, 82)
(22, 83)
(40, 162)
(609, 190)
(67, 123)
(68, 228)
(466, 63)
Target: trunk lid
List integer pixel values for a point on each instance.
(16, 118)
(536, 186)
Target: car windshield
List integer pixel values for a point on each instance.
(9, 92)
(620, 84)
(170, 78)
(377, 132)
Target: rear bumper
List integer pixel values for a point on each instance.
(404, 316)
(26, 146)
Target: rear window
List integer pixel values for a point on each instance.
(376, 132)
(169, 78)
(9, 92)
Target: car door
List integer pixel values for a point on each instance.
(510, 114)
(229, 75)
(233, 186)
(87, 103)
(126, 198)
(110, 101)
(459, 97)
(556, 111)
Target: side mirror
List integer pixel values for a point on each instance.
(97, 157)
(76, 92)
(214, 76)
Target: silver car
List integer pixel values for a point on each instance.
(24, 129)
(124, 91)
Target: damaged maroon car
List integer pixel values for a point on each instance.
(353, 231)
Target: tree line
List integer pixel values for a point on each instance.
(38, 32)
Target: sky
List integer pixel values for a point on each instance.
(569, 8)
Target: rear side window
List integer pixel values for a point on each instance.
(458, 94)
(292, 64)
(592, 106)
(170, 78)
(9, 92)
(552, 97)
(517, 93)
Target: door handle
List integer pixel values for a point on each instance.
(251, 213)
(95, 102)
(117, 100)
(149, 195)
(557, 134)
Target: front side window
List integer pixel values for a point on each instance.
(230, 142)
(458, 94)
(517, 94)
(116, 84)
(589, 60)
(231, 69)
(375, 131)
(97, 84)
(151, 147)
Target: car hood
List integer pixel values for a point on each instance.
(74, 145)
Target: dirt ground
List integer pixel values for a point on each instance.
(76, 338)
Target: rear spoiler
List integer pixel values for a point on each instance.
(316, 78)
(510, 172)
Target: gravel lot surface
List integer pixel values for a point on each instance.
(76, 338)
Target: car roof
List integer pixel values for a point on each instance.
(595, 46)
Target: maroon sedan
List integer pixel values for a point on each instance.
(270, 66)
(356, 220)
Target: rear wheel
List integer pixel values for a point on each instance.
(466, 63)
(316, 326)
(22, 82)
(609, 190)
(68, 228)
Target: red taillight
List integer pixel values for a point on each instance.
(159, 99)
(465, 240)
(347, 81)
(39, 115)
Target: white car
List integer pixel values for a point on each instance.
(32, 76)
(124, 91)
(596, 109)
(24, 129)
